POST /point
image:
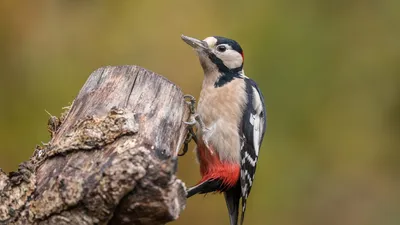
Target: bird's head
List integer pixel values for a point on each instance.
(217, 53)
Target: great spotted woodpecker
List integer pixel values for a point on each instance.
(231, 121)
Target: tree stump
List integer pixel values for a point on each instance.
(111, 160)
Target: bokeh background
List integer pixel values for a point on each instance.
(329, 70)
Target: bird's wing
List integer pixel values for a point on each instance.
(253, 129)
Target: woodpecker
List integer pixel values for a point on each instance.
(231, 122)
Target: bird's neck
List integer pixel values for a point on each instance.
(217, 78)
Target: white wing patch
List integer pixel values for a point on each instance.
(256, 120)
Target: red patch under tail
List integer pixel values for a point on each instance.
(211, 168)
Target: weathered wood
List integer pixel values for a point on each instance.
(111, 160)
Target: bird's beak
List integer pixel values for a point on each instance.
(195, 43)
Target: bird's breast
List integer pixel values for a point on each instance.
(222, 108)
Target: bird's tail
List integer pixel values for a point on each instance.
(232, 198)
(243, 210)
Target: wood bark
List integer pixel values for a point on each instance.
(112, 157)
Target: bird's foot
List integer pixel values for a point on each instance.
(191, 101)
(206, 132)
(190, 136)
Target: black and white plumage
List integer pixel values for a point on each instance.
(233, 114)
(253, 128)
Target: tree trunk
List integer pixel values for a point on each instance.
(111, 160)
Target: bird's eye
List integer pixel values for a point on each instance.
(221, 48)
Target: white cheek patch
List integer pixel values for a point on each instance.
(211, 41)
(231, 58)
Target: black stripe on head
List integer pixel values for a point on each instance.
(221, 66)
(227, 75)
(235, 46)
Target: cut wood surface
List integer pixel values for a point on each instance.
(111, 160)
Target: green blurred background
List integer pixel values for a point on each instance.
(329, 70)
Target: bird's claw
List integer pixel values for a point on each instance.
(190, 136)
(191, 101)
(190, 97)
(185, 146)
(193, 120)
(190, 123)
